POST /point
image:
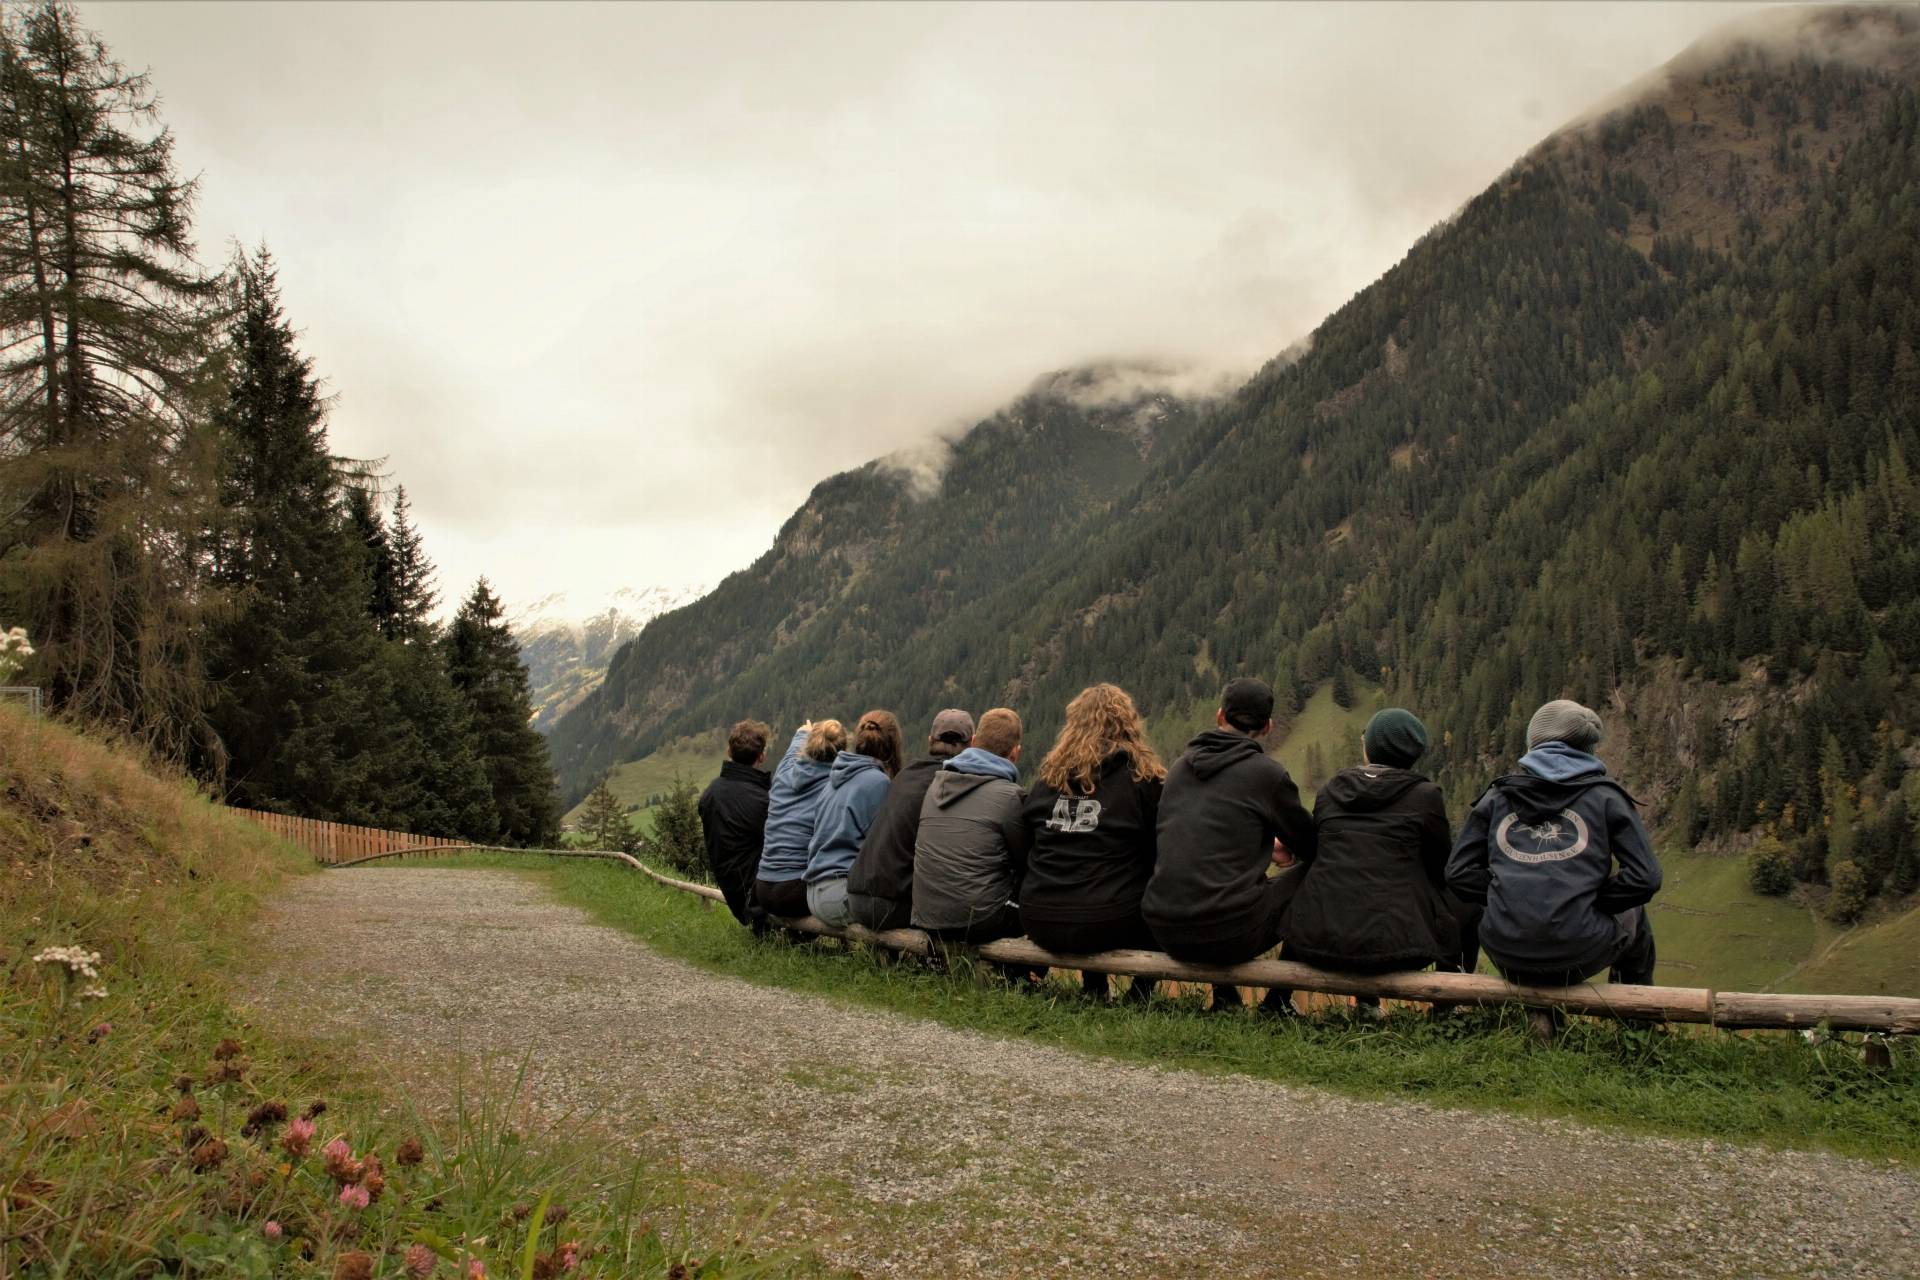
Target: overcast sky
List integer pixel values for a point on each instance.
(612, 286)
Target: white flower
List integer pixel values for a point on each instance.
(77, 960)
(94, 992)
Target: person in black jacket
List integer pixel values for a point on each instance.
(1559, 857)
(1373, 900)
(733, 820)
(1090, 817)
(1230, 811)
(880, 885)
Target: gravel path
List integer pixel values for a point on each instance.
(904, 1148)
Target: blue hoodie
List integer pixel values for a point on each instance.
(980, 760)
(854, 792)
(1558, 762)
(793, 805)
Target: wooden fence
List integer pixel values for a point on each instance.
(341, 842)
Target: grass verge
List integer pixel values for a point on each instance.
(146, 1129)
(1771, 1088)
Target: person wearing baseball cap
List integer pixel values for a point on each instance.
(1559, 857)
(880, 884)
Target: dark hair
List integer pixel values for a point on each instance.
(878, 737)
(1247, 704)
(747, 742)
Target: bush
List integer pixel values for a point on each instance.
(1769, 868)
(1849, 896)
(677, 840)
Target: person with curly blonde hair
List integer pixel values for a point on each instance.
(1091, 818)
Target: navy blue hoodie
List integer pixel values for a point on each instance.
(1540, 850)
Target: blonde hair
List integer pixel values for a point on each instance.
(828, 739)
(878, 736)
(998, 732)
(1100, 721)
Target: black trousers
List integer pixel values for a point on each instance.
(1263, 936)
(786, 898)
(1632, 962)
(879, 914)
(1002, 922)
(737, 887)
(1085, 937)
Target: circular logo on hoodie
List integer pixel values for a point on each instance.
(1554, 840)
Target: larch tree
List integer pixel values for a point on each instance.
(105, 328)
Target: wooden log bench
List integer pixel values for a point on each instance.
(1729, 1010)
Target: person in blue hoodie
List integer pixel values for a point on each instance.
(858, 783)
(1558, 855)
(793, 809)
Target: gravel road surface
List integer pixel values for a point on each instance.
(904, 1148)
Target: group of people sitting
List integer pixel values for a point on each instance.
(1214, 861)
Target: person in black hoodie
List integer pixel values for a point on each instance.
(733, 820)
(1091, 818)
(1558, 855)
(1373, 900)
(1230, 811)
(880, 885)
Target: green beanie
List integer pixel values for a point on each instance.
(1395, 738)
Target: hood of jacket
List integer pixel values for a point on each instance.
(1366, 788)
(981, 761)
(847, 766)
(1558, 762)
(1537, 799)
(1215, 751)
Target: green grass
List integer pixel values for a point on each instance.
(1880, 957)
(1769, 1088)
(145, 1132)
(697, 759)
(1711, 930)
(1331, 727)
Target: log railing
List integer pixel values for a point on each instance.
(342, 845)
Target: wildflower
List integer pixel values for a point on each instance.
(228, 1048)
(409, 1153)
(340, 1164)
(228, 1069)
(298, 1137)
(570, 1255)
(353, 1265)
(186, 1110)
(261, 1116)
(183, 1083)
(271, 1230)
(99, 1033)
(316, 1109)
(373, 1179)
(419, 1261)
(354, 1197)
(476, 1269)
(94, 991)
(208, 1155)
(78, 960)
(556, 1215)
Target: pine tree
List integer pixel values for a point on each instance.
(105, 326)
(414, 597)
(301, 686)
(677, 839)
(602, 821)
(483, 660)
(364, 519)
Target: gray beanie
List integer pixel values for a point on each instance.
(1564, 721)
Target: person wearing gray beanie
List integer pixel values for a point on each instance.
(1564, 720)
(1560, 858)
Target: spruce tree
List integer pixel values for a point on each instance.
(602, 821)
(414, 597)
(363, 517)
(483, 660)
(301, 686)
(105, 326)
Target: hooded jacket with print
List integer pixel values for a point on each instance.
(1555, 852)
(971, 847)
(855, 788)
(1091, 854)
(793, 802)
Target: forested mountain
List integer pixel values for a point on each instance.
(1637, 426)
(882, 559)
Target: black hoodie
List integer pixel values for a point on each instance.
(884, 867)
(1226, 801)
(1541, 854)
(1372, 898)
(1091, 854)
(733, 821)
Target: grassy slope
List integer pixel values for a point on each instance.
(1333, 728)
(697, 759)
(98, 1157)
(1767, 1088)
(1713, 931)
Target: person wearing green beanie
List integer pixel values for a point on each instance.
(1374, 900)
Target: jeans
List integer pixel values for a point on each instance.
(827, 900)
